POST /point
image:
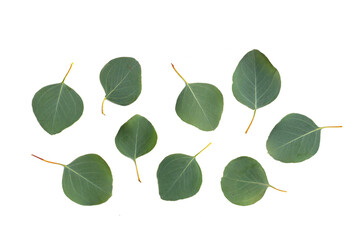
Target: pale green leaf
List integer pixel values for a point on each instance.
(87, 180)
(179, 176)
(244, 181)
(135, 138)
(256, 82)
(57, 107)
(294, 139)
(200, 104)
(121, 80)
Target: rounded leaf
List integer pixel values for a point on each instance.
(294, 139)
(201, 105)
(57, 107)
(136, 137)
(244, 181)
(121, 80)
(87, 180)
(179, 177)
(256, 82)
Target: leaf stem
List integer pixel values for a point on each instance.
(67, 73)
(137, 171)
(102, 106)
(179, 74)
(251, 122)
(277, 189)
(202, 150)
(48, 161)
(331, 127)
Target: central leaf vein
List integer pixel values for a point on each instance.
(87, 180)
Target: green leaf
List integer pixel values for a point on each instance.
(121, 80)
(87, 180)
(256, 82)
(57, 107)
(244, 181)
(179, 177)
(200, 104)
(135, 138)
(294, 139)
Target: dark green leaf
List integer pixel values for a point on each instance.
(179, 177)
(87, 180)
(294, 139)
(244, 181)
(57, 107)
(135, 138)
(256, 82)
(200, 104)
(121, 80)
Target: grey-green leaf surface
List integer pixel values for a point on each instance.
(88, 180)
(200, 104)
(294, 139)
(179, 177)
(136, 137)
(244, 181)
(121, 80)
(57, 107)
(256, 82)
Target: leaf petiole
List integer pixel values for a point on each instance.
(48, 161)
(202, 150)
(251, 122)
(67, 73)
(137, 171)
(102, 106)
(331, 127)
(179, 74)
(277, 189)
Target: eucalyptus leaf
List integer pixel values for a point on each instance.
(87, 180)
(244, 181)
(57, 107)
(200, 104)
(294, 139)
(135, 138)
(179, 176)
(256, 82)
(121, 80)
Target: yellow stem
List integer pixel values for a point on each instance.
(47, 160)
(202, 150)
(137, 171)
(67, 72)
(102, 106)
(332, 127)
(251, 122)
(179, 74)
(277, 189)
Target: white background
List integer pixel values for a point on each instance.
(313, 44)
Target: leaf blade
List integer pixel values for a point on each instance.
(295, 138)
(179, 177)
(201, 105)
(244, 181)
(136, 138)
(57, 107)
(121, 80)
(87, 180)
(256, 82)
